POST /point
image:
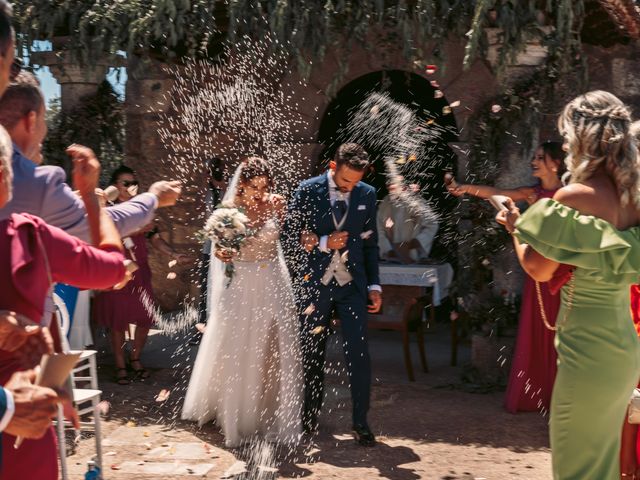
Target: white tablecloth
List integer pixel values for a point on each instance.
(439, 277)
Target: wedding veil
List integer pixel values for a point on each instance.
(216, 278)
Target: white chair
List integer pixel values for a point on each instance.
(86, 401)
(64, 320)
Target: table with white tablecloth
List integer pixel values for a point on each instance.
(436, 276)
(408, 291)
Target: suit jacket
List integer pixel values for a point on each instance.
(310, 210)
(42, 191)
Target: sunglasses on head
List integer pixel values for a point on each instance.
(16, 68)
(128, 183)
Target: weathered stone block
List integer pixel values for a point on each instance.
(624, 76)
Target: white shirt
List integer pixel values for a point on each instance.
(336, 194)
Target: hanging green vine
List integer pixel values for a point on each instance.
(307, 29)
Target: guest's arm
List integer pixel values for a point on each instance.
(62, 208)
(76, 263)
(86, 172)
(519, 194)
(537, 267)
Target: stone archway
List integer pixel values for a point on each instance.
(430, 107)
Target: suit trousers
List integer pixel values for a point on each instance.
(350, 304)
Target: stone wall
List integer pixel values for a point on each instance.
(148, 86)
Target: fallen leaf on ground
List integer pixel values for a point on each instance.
(163, 395)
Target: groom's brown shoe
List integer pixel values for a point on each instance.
(364, 436)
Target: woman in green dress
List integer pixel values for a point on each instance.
(593, 225)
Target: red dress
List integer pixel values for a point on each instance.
(533, 369)
(116, 309)
(635, 313)
(26, 244)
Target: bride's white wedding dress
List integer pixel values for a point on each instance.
(248, 375)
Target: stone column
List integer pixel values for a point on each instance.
(76, 81)
(148, 108)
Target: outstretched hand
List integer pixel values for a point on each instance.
(167, 192)
(509, 216)
(86, 168)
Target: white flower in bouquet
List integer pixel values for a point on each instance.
(227, 228)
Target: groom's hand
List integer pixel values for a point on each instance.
(309, 240)
(375, 297)
(337, 240)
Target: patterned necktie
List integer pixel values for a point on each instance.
(339, 209)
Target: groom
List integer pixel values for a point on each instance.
(332, 242)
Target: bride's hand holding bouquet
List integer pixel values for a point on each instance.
(228, 229)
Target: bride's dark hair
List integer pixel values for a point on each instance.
(254, 166)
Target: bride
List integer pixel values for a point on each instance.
(247, 375)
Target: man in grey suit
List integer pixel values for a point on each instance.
(41, 190)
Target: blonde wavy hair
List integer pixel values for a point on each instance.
(598, 130)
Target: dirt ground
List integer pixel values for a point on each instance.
(432, 428)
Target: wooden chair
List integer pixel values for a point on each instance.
(403, 308)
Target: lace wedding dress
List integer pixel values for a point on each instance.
(248, 375)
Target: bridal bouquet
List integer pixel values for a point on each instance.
(227, 228)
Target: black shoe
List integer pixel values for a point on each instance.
(364, 436)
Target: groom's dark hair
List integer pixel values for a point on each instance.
(353, 156)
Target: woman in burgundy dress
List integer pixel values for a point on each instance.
(134, 304)
(33, 255)
(630, 448)
(533, 370)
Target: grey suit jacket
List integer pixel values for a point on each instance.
(42, 191)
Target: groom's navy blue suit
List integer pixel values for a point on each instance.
(311, 210)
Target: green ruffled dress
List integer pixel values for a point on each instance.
(598, 348)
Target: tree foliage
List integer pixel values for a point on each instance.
(97, 122)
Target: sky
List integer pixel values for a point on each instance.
(51, 88)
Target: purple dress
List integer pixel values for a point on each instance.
(134, 303)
